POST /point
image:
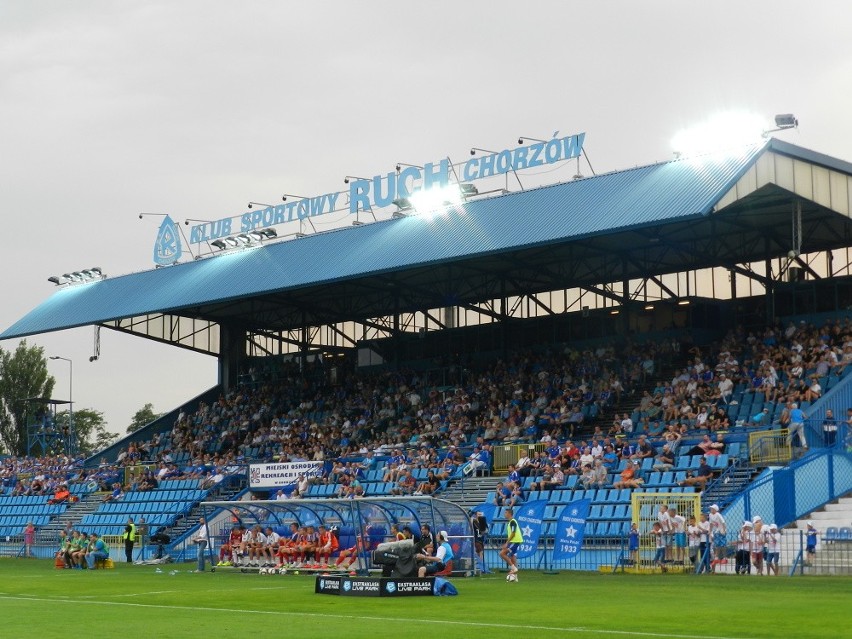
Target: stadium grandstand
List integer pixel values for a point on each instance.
(631, 339)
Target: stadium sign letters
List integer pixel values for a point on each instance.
(382, 190)
(280, 475)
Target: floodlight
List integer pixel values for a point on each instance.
(231, 242)
(219, 244)
(786, 121)
(402, 203)
(250, 204)
(526, 138)
(349, 178)
(399, 166)
(267, 233)
(286, 195)
(398, 215)
(431, 199)
(244, 238)
(468, 190)
(56, 279)
(722, 131)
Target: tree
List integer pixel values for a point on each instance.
(23, 376)
(143, 417)
(90, 430)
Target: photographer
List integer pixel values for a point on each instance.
(429, 564)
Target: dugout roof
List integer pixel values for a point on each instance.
(714, 210)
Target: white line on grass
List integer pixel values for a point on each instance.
(129, 594)
(442, 622)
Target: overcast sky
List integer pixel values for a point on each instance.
(195, 108)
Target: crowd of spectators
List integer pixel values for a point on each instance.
(48, 475)
(783, 365)
(299, 415)
(295, 412)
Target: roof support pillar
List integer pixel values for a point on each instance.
(304, 338)
(232, 349)
(770, 287)
(504, 325)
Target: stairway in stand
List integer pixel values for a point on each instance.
(89, 503)
(469, 492)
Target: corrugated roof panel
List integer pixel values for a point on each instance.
(564, 212)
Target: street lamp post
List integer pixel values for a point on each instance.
(70, 440)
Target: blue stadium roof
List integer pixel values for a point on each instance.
(338, 273)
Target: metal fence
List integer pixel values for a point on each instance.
(832, 556)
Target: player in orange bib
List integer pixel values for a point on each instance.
(327, 546)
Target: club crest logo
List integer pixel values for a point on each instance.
(167, 248)
(390, 586)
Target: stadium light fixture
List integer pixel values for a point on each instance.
(475, 149)
(298, 197)
(349, 178)
(189, 219)
(78, 277)
(399, 166)
(525, 138)
(267, 233)
(786, 121)
(219, 244)
(783, 121)
(251, 204)
(431, 199)
(722, 131)
(402, 203)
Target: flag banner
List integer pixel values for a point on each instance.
(569, 529)
(489, 511)
(529, 517)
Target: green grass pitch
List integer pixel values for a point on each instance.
(40, 601)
